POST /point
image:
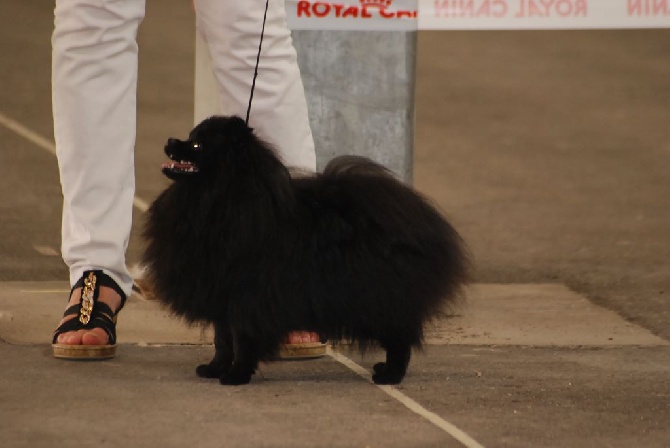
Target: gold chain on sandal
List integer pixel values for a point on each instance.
(87, 297)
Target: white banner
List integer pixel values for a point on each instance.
(542, 14)
(407, 15)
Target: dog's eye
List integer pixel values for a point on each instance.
(197, 146)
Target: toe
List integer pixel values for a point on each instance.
(95, 336)
(70, 338)
(310, 337)
(293, 338)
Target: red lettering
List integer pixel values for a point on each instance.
(580, 8)
(351, 11)
(386, 15)
(661, 7)
(484, 10)
(533, 10)
(547, 6)
(338, 10)
(501, 11)
(321, 9)
(633, 7)
(467, 9)
(303, 8)
(563, 8)
(648, 7)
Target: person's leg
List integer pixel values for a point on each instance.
(232, 31)
(94, 82)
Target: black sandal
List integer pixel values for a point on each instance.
(91, 314)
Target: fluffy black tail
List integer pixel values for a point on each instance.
(426, 261)
(356, 166)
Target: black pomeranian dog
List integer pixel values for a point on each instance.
(351, 253)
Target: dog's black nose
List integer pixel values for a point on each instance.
(172, 141)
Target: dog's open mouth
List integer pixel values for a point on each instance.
(183, 157)
(181, 167)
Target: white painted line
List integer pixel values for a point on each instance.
(410, 404)
(47, 251)
(26, 133)
(140, 204)
(49, 146)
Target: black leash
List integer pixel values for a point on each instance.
(258, 59)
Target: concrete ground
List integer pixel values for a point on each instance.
(548, 150)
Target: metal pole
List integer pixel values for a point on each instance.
(360, 94)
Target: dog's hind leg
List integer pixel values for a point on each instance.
(223, 358)
(398, 354)
(245, 363)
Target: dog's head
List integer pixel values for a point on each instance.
(211, 146)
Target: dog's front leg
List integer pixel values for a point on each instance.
(223, 357)
(245, 361)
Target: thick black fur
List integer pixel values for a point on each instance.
(350, 253)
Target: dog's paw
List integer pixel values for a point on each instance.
(231, 379)
(380, 367)
(208, 371)
(384, 375)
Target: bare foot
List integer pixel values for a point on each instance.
(93, 336)
(302, 337)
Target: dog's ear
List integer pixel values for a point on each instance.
(239, 132)
(239, 126)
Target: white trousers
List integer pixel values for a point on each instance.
(94, 80)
